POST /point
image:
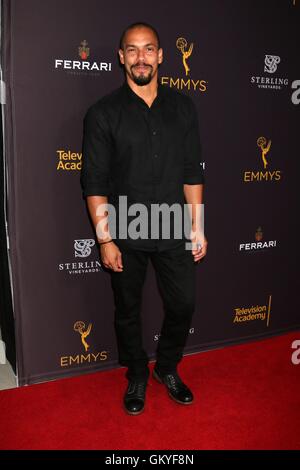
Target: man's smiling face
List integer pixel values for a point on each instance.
(141, 55)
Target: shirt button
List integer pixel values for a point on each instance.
(155, 156)
(154, 132)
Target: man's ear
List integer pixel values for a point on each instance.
(160, 55)
(121, 55)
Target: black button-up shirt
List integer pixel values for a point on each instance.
(146, 154)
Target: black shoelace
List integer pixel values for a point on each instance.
(173, 382)
(137, 388)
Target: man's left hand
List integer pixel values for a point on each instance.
(199, 246)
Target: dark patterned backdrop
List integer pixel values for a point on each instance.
(243, 74)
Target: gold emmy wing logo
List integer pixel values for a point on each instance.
(182, 45)
(79, 326)
(83, 50)
(263, 174)
(265, 147)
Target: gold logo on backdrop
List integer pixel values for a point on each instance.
(186, 81)
(86, 358)
(265, 148)
(83, 50)
(79, 326)
(182, 45)
(245, 315)
(264, 174)
(68, 161)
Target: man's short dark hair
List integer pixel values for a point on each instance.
(139, 24)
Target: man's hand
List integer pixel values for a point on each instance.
(111, 256)
(199, 245)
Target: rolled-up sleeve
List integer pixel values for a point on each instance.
(96, 155)
(193, 171)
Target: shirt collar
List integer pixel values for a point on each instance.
(132, 96)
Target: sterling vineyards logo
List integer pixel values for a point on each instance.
(82, 66)
(271, 62)
(269, 81)
(82, 249)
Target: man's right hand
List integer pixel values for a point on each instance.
(111, 256)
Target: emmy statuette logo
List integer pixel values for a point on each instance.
(79, 327)
(265, 148)
(88, 357)
(182, 45)
(185, 81)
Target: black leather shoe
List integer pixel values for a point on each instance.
(177, 390)
(134, 398)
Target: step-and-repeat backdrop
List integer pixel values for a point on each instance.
(239, 62)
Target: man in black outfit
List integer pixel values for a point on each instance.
(142, 141)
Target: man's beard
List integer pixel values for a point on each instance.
(141, 80)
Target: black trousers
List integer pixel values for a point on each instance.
(175, 276)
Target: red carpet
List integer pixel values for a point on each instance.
(247, 397)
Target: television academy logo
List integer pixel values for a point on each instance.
(68, 161)
(88, 357)
(254, 313)
(258, 244)
(187, 83)
(82, 249)
(266, 174)
(83, 65)
(268, 82)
